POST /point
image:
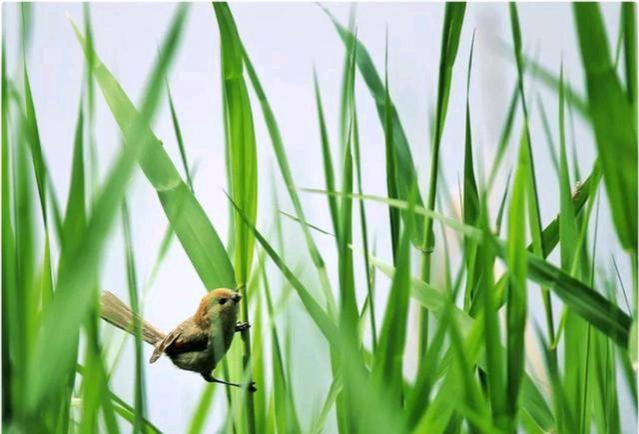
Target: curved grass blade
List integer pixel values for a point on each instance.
(282, 160)
(189, 221)
(406, 173)
(319, 316)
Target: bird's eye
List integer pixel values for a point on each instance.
(222, 300)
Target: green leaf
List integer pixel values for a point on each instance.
(613, 118)
(62, 318)
(188, 219)
(406, 173)
(139, 390)
(516, 305)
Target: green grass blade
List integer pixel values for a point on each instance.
(188, 219)
(388, 362)
(282, 160)
(319, 316)
(451, 31)
(75, 214)
(140, 383)
(62, 319)
(516, 306)
(242, 165)
(629, 24)
(406, 172)
(327, 159)
(614, 121)
(348, 304)
(284, 407)
(392, 188)
(178, 137)
(198, 420)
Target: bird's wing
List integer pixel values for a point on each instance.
(165, 343)
(182, 339)
(197, 340)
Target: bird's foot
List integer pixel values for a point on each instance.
(211, 379)
(241, 326)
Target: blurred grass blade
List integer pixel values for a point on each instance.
(388, 362)
(198, 420)
(140, 383)
(581, 298)
(391, 160)
(614, 121)
(516, 305)
(62, 319)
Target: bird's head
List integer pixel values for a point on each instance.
(221, 304)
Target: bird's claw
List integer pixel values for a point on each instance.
(241, 326)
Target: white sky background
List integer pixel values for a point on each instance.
(284, 41)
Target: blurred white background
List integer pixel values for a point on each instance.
(285, 42)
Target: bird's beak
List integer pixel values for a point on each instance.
(237, 297)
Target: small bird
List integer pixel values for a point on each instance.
(198, 343)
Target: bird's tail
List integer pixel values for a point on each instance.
(114, 311)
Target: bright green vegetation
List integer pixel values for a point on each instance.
(471, 374)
